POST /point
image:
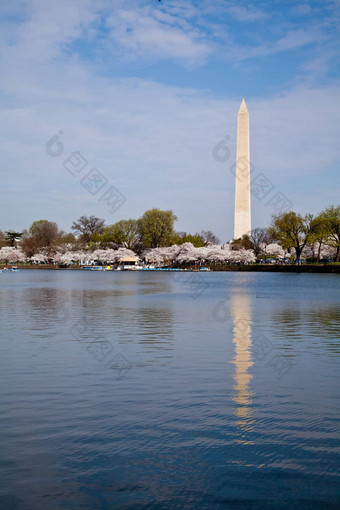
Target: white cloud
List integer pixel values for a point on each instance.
(44, 29)
(146, 31)
(301, 9)
(292, 40)
(246, 14)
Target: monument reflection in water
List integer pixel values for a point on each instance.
(241, 319)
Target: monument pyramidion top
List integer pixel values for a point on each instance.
(243, 108)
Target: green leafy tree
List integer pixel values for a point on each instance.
(196, 239)
(123, 233)
(67, 238)
(156, 228)
(292, 231)
(319, 235)
(12, 236)
(330, 220)
(102, 241)
(86, 226)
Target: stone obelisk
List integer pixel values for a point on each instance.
(242, 222)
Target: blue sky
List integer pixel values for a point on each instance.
(144, 91)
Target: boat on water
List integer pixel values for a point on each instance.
(14, 269)
(94, 268)
(149, 268)
(137, 268)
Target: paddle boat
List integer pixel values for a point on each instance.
(93, 268)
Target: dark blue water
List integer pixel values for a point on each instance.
(169, 390)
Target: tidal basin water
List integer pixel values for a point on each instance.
(169, 390)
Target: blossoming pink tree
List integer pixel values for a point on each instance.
(10, 255)
(38, 258)
(275, 250)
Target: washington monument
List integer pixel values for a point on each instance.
(242, 220)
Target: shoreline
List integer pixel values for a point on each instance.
(261, 268)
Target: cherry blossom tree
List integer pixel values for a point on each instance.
(309, 251)
(9, 254)
(162, 255)
(242, 256)
(38, 258)
(111, 256)
(215, 253)
(70, 257)
(187, 253)
(329, 252)
(219, 253)
(156, 256)
(275, 249)
(122, 253)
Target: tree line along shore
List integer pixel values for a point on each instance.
(290, 239)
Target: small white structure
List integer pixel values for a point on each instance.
(128, 261)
